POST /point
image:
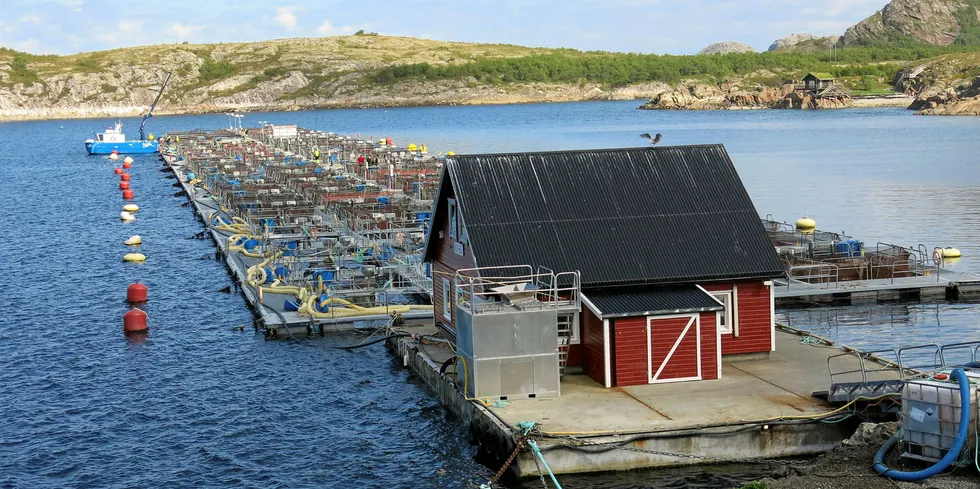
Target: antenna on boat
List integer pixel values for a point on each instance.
(154, 104)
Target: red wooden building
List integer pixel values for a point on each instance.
(676, 268)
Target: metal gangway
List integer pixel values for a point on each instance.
(884, 372)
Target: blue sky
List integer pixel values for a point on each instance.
(646, 26)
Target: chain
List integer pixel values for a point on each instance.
(520, 444)
(544, 483)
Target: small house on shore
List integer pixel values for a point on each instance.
(817, 82)
(675, 267)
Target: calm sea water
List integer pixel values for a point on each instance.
(200, 403)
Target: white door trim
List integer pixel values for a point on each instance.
(694, 319)
(607, 352)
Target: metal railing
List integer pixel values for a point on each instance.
(494, 289)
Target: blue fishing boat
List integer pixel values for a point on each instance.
(112, 140)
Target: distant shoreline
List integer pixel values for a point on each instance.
(81, 113)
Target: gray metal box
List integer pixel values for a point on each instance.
(509, 352)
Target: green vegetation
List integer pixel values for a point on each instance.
(107, 88)
(19, 71)
(969, 24)
(213, 70)
(618, 69)
(754, 485)
(88, 65)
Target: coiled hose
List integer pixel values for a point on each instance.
(951, 456)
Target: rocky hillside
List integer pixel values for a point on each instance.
(727, 47)
(947, 85)
(938, 22)
(804, 43)
(286, 74)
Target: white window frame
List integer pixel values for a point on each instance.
(452, 219)
(447, 301)
(727, 298)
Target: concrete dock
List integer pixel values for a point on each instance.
(761, 408)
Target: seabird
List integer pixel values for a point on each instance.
(653, 139)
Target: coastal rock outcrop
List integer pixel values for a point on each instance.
(929, 21)
(727, 47)
(708, 96)
(806, 101)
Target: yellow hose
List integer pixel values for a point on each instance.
(353, 310)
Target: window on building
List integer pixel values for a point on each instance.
(447, 300)
(452, 219)
(725, 324)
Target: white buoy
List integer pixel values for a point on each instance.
(126, 216)
(113, 156)
(134, 240)
(131, 207)
(134, 257)
(129, 159)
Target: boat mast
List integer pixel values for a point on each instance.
(150, 113)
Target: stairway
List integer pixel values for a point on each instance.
(564, 340)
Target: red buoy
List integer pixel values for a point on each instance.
(128, 194)
(123, 185)
(127, 164)
(134, 321)
(136, 293)
(118, 171)
(124, 177)
(115, 151)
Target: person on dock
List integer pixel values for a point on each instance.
(316, 156)
(244, 134)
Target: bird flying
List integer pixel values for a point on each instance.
(653, 139)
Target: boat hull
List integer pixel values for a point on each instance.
(126, 147)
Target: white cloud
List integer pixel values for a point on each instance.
(183, 31)
(328, 29)
(285, 17)
(30, 19)
(73, 3)
(130, 25)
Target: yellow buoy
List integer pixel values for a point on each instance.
(412, 147)
(126, 216)
(134, 240)
(805, 223)
(950, 252)
(134, 257)
(450, 153)
(131, 207)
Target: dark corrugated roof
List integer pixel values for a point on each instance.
(620, 216)
(651, 301)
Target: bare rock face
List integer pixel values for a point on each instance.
(804, 43)
(790, 41)
(806, 101)
(930, 21)
(961, 100)
(727, 47)
(708, 96)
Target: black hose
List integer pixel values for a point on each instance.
(369, 343)
(282, 318)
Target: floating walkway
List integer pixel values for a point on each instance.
(823, 267)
